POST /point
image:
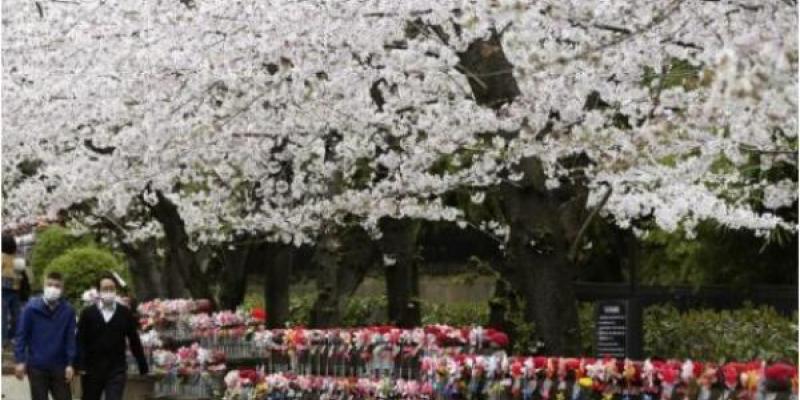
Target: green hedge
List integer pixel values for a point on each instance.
(52, 242)
(82, 266)
(742, 334)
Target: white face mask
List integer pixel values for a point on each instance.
(51, 293)
(108, 298)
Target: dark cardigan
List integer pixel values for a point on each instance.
(101, 344)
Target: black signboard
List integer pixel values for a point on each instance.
(618, 329)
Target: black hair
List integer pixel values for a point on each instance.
(56, 276)
(9, 245)
(109, 276)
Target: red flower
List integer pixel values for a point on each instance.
(780, 372)
(697, 369)
(669, 375)
(572, 364)
(382, 329)
(498, 338)
(516, 369)
(731, 374)
(248, 374)
(258, 314)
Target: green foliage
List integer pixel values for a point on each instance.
(456, 314)
(717, 256)
(586, 322)
(82, 266)
(360, 311)
(524, 335)
(300, 308)
(50, 244)
(253, 300)
(678, 73)
(743, 334)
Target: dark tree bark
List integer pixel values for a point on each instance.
(342, 260)
(539, 269)
(489, 72)
(148, 283)
(277, 270)
(399, 241)
(234, 264)
(327, 262)
(179, 256)
(543, 222)
(144, 264)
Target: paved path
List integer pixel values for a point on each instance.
(14, 389)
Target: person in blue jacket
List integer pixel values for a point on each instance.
(45, 347)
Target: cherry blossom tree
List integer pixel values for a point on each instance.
(207, 121)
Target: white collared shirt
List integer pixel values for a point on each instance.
(108, 312)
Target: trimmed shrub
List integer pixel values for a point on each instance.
(52, 242)
(742, 334)
(746, 333)
(82, 266)
(456, 314)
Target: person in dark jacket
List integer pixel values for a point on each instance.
(102, 331)
(45, 346)
(11, 286)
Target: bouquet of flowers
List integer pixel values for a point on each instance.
(255, 385)
(602, 378)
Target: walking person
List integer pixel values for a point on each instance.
(45, 343)
(102, 332)
(11, 284)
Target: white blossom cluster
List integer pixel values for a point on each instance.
(262, 115)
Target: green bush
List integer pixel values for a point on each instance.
(360, 311)
(51, 243)
(253, 300)
(300, 309)
(82, 266)
(586, 321)
(742, 334)
(456, 314)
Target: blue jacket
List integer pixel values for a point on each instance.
(46, 338)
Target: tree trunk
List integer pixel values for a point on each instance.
(537, 256)
(342, 260)
(148, 283)
(234, 277)
(399, 245)
(174, 285)
(179, 256)
(537, 263)
(326, 261)
(276, 284)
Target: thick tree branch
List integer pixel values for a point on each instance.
(573, 250)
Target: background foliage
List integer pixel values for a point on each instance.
(82, 266)
(52, 242)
